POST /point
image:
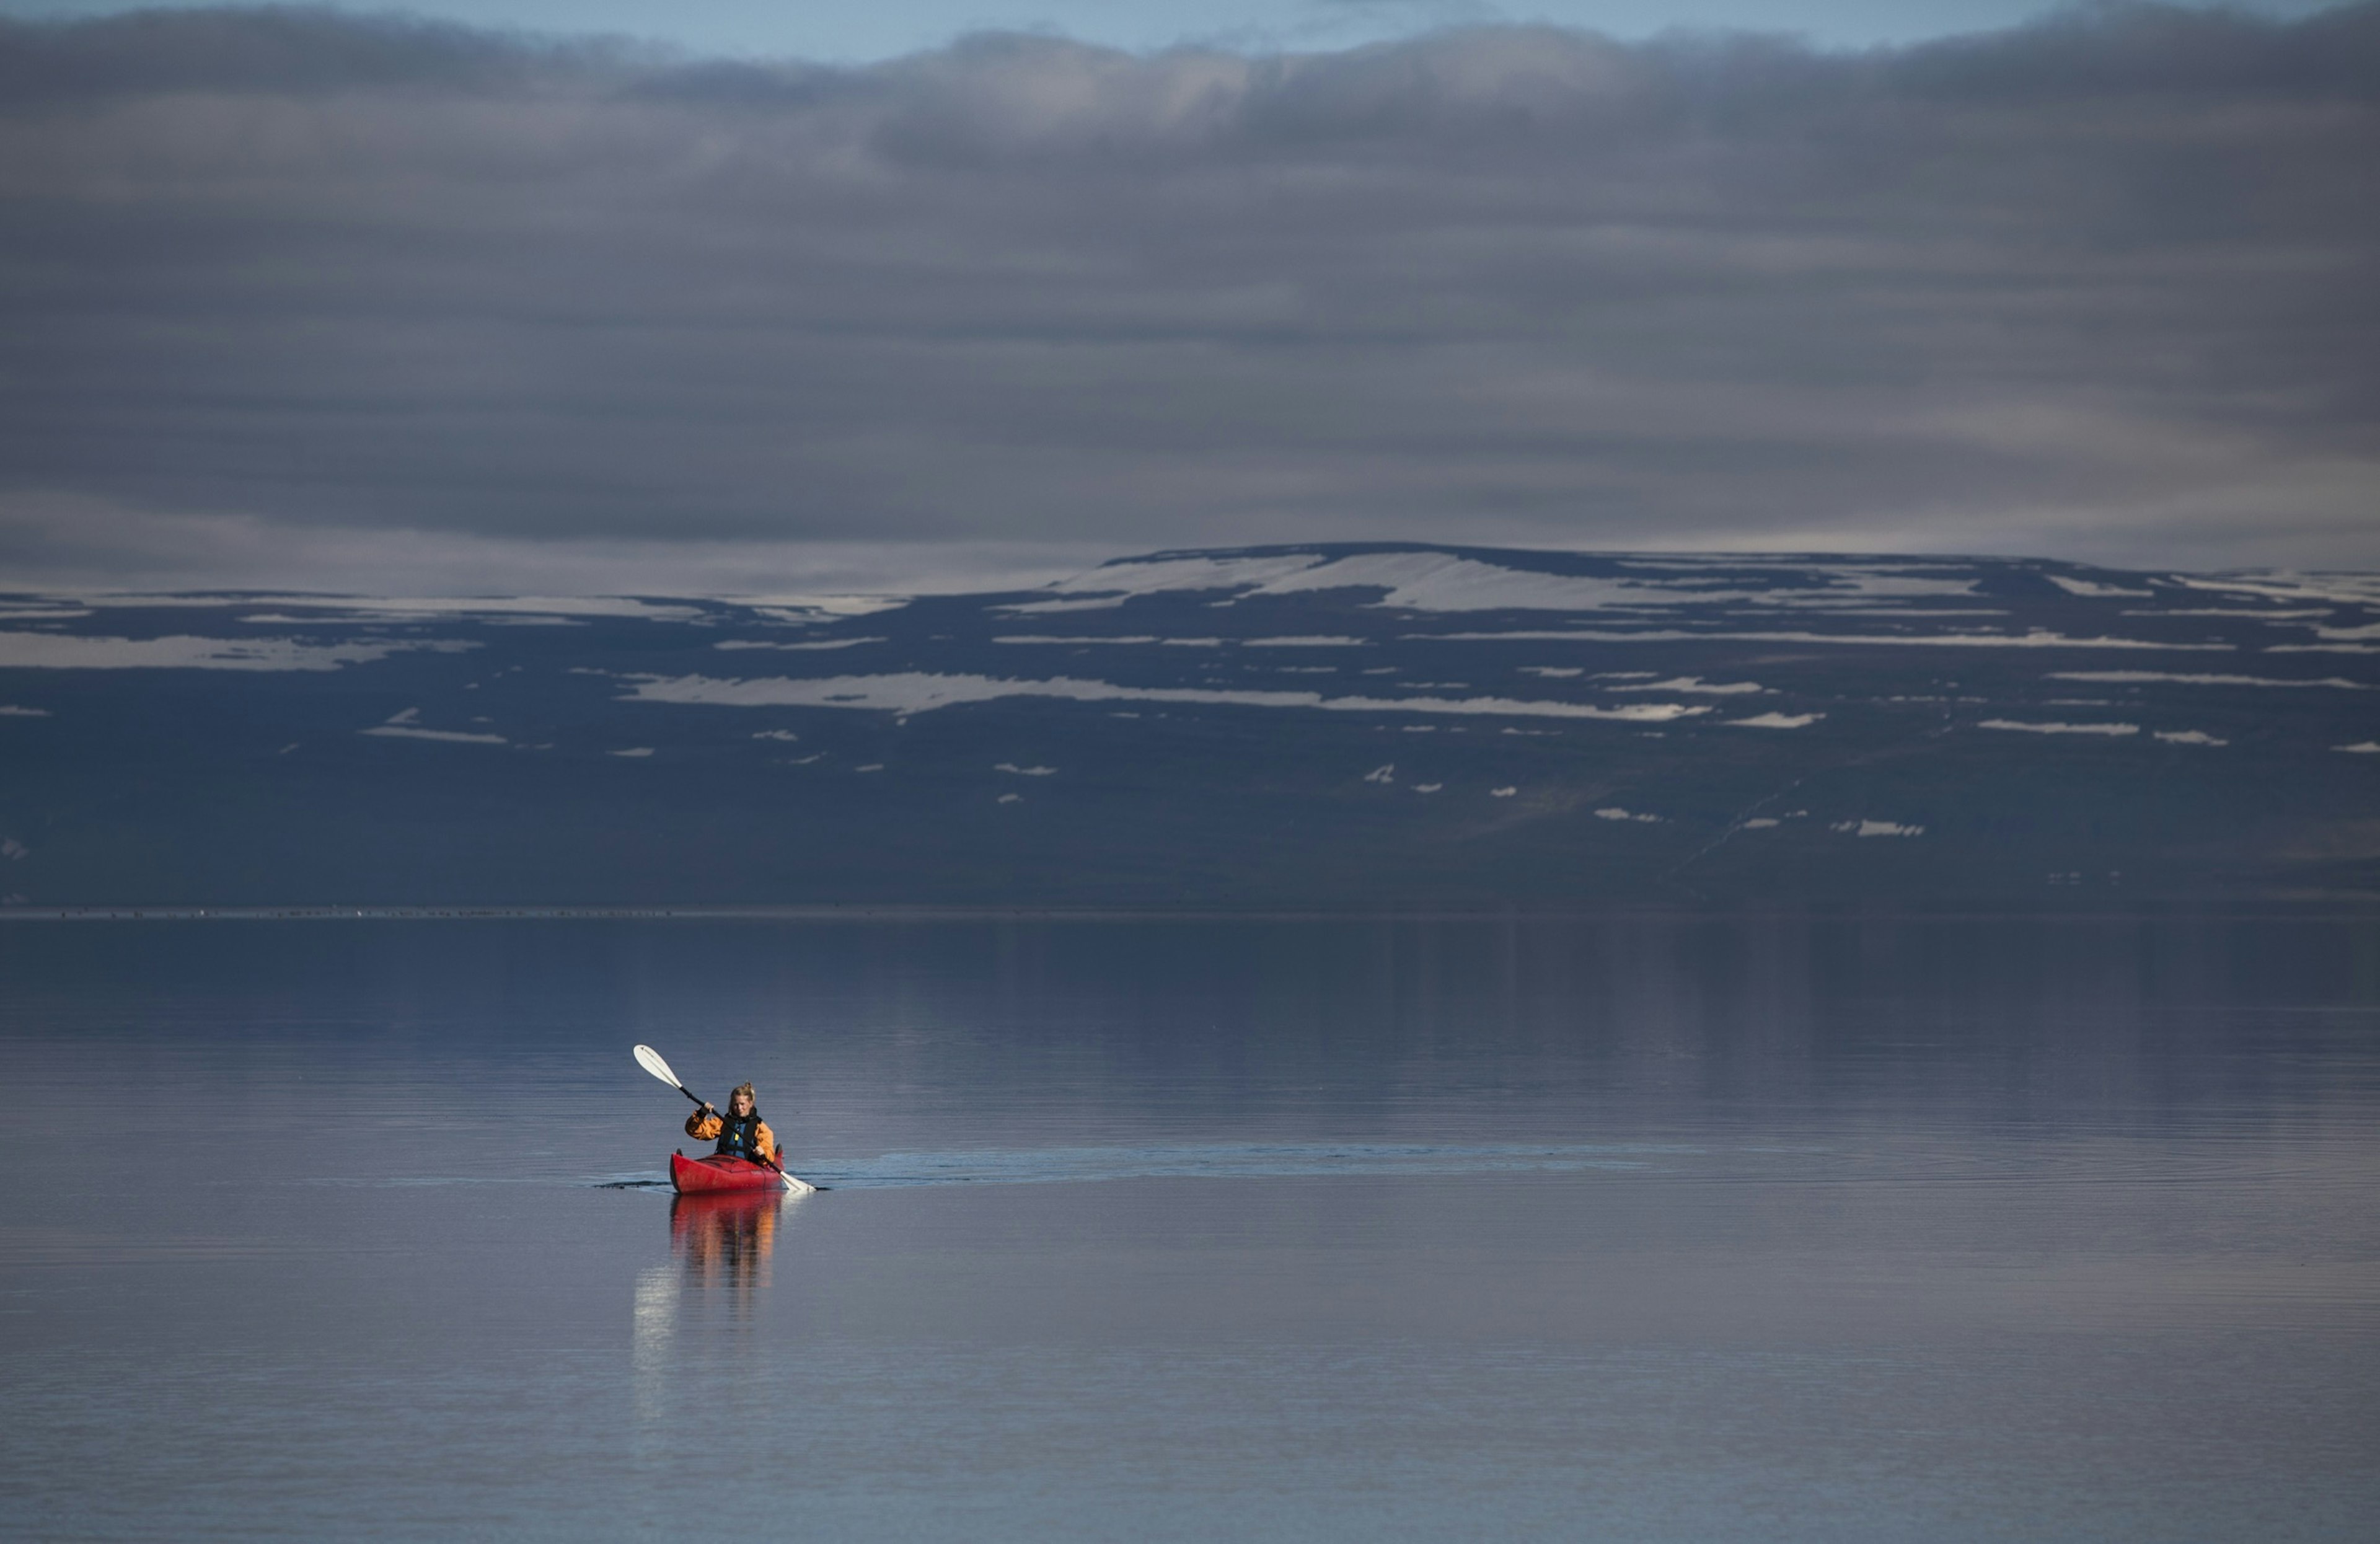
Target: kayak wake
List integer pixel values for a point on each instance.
(1220, 1160)
(1235, 1161)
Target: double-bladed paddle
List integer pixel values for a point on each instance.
(650, 1060)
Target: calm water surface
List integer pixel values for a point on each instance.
(1616, 1230)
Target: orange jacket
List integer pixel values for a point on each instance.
(706, 1129)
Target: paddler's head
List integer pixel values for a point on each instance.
(739, 1103)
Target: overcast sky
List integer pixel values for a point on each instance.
(291, 299)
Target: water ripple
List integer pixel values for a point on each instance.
(1233, 1161)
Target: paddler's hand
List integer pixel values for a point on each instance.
(706, 1110)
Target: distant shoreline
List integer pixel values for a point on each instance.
(2229, 907)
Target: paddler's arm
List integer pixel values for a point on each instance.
(767, 1143)
(704, 1125)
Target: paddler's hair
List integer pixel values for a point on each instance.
(746, 1090)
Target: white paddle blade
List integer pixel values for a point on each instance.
(650, 1060)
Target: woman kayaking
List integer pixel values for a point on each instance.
(749, 1157)
(741, 1132)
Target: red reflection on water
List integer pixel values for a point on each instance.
(725, 1240)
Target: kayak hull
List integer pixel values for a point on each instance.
(718, 1176)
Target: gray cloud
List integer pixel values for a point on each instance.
(2104, 286)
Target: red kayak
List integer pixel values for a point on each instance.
(712, 1175)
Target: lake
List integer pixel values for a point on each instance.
(1631, 1228)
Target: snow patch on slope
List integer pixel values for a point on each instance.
(2129, 677)
(919, 691)
(1695, 684)
(405, 725)
(2094, 588)
(182, 652)
(2036, 638)
(1445, 582)
(2054, 727)
(2287, 588)
(404, 608)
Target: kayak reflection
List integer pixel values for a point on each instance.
(725, 1240)
(721, 1244)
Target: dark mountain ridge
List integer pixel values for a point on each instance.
(1343, 726)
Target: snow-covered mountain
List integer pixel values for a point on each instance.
(1343, 725)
